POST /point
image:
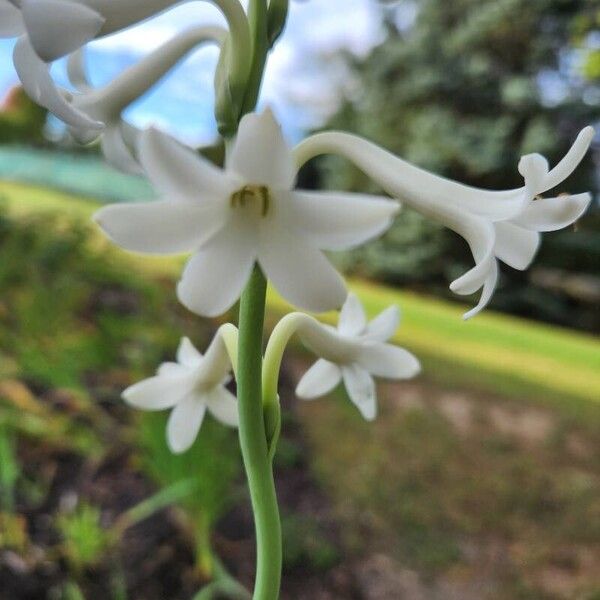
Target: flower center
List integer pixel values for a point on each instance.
(257, 197)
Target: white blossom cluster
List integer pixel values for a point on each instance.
(251, 213)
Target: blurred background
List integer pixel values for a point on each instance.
(480, 479)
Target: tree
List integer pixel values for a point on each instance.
(465, 90)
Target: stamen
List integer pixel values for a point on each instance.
(248, 194)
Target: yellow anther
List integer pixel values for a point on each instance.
(250, 193)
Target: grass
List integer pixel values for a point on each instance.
(491, 352)
(80, 320)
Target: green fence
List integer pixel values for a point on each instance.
(86, 176)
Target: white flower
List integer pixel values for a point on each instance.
(191, 386)
(354, 353)
(51, 29)
(106, 104)
(244, 214)
(501, 225)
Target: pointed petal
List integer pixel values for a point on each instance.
(300, 272)
(180, 173)
(214, 278)
(215, 368)
(361, 389)
(159, 392)
(552, 214)
(336, 221)
(11, 22)
(117, 153)
(40, 87)
(384, 325)
(352, 320)
(159, 227)
(184, 423)
(260, 154)
(57, 28)
(223, 405)
(77, 72)
(571, 159)
(187, 354)
(481, 237)
(385, 360)
(515, 245)
(486, 294)
(319, 380)
(172, 369)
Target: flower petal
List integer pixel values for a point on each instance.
(353, 320)
(77, 72)
(158, 392)
(515, 245)
(117, 153)
(319, 380)
(384, 325)
(11, 22)
(40, 87)
(161, 227)
(180, 173)
(172, 369)
(260, 154)
(300, 272)
(223, 405)
(214, 278)
(481, 237)
(361, 389)
(391, 362)
(336, 221)
(187, 354)
(552, 214)
(570, 161)
(487, 292)
(57, 28)
(534, 168)
(184, 423)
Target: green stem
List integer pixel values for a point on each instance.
(258, 20)
(253, 439)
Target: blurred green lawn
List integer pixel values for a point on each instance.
(490, 352)
(484, 468)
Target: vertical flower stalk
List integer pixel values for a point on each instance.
(253, 439)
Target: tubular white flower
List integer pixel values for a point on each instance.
(244, 214)
(191, 386)
(51, 29)
(354, 353)
(501, 225)
(106, 104)
(11, 22)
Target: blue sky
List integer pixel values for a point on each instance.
(303, 79)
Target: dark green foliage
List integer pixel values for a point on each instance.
(306, 545)
(211, 466)
(65, 308)
(464, 91)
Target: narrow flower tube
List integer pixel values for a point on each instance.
(51, 29)
(190, 387)
(354, 353)
(106, 104)
(501, 225)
